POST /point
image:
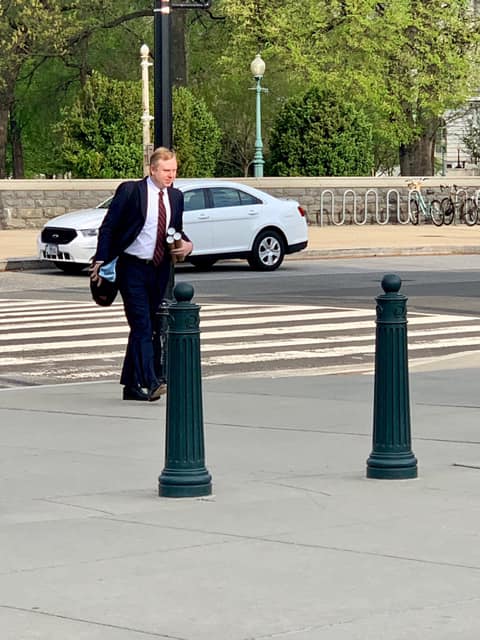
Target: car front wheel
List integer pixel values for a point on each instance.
(268, 251)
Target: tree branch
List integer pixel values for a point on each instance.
(86, 33)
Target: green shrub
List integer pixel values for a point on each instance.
(102, 132)
(318, 134)
(196, 134)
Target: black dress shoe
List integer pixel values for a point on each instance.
(156, 392)
(134, 393)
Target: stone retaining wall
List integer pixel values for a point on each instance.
(30, 203)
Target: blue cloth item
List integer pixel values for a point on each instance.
(108, 271)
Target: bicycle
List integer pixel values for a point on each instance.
(417, 204)
(465, 206)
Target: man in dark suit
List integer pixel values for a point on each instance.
(134, 231)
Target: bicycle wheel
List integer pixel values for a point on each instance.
(414, 211)
(436, 213)
(470, 212)
(448, 210)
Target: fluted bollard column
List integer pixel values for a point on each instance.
(391, 457)
(184, 474)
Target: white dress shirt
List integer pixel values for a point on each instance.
(144, 244)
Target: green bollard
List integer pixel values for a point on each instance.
(392, 457)
(184, 474)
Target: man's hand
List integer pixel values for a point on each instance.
(183, 251)
(93, 270)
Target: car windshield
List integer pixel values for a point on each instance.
(105, 204)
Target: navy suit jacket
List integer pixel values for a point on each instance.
(126, 216)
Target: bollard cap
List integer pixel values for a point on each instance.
(183, 292)
(391, 283)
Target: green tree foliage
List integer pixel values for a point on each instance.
(220, 72)
(102, 132)
(42, 91)
(196, 135)
(39, 100)
(434, 68)
(33, 32)
(319, 135)
(25, 29)
(406, 62)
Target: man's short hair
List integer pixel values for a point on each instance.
(161, 153)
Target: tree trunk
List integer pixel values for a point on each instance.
(7, 98)
(179, 49)
(17, 147)
(3, 138)
(418, 158)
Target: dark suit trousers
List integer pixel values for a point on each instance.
(142, 287)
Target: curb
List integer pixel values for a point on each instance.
(373, 252)
(23, 264)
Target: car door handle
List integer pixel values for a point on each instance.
(253, 213)
(203, 216)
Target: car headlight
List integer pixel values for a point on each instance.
(89, 232)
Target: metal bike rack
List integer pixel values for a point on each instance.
(332, 204)
(346, 193)
(410, 191)
(391, 192)
(391, 212)
(409, 213)
(366, 200)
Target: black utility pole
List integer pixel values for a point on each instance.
(161, 75)
(163, 130)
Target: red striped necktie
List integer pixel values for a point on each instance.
(161, 231)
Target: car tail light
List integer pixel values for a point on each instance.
(302, 212)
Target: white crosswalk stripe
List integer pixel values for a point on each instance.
(54, 341)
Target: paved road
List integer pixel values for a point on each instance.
(53, 341)
(436, 283)
(309, 317)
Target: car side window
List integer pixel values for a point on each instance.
(225, 197)
(194, 199)
(247, 198)
(228, 197)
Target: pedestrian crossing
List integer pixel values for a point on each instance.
(53, 341)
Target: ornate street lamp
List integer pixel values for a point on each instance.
(146, 117)
(258, 69)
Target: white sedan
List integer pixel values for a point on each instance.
(223, 220)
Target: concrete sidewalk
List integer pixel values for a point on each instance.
(18, 247)
(295, 543)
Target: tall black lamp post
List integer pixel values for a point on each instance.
(161, 73)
